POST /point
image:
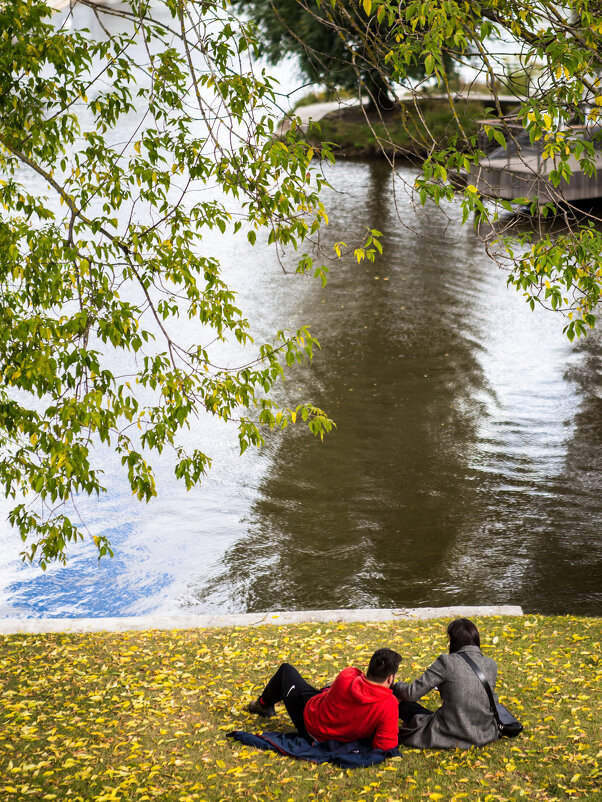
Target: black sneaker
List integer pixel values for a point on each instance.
(260, 709)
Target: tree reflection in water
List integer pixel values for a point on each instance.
(464, 444)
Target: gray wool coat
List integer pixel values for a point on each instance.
(464, 718)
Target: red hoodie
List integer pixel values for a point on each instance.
(353, 708)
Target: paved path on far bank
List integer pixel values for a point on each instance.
(314, 111)
(61, 5)
(12, 626)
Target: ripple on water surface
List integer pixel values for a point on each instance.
(465, 467)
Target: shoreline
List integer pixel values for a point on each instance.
(37, 626)
(353, 131)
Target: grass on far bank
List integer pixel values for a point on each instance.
(402, 132)
(143, 716)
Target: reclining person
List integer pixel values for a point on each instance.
(354, 707)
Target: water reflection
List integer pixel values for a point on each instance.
(465, 467)
(456, 422)
(569, 554)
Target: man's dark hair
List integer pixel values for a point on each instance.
(462, 632)
(383, 663)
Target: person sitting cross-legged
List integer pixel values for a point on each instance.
(354, 707)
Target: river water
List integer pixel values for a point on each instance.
(465, 467)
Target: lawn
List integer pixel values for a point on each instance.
(407, 131)
(144, 716)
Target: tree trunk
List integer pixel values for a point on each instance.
(377, 87)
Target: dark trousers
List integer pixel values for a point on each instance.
(288, 686)
(407, 711)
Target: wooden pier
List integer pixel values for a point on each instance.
(520, 171)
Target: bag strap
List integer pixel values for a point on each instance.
(484, 683)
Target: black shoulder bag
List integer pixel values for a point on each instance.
(507, 725)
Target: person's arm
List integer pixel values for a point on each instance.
(411, 692)
(387, 730)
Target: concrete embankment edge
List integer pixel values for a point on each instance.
(13, 626)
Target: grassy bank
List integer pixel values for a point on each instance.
(403, 132)
(143, 716)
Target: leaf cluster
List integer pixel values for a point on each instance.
(419, 48)
(338, 45)
(104, 148)
(557, 119)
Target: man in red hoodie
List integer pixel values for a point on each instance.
(352, 708)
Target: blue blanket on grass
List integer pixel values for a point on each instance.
(351, 755)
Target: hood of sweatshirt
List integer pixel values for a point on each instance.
(360, 689)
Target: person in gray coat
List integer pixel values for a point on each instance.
(464, 718)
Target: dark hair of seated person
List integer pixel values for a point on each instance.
(462, 632)
(383, 663)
